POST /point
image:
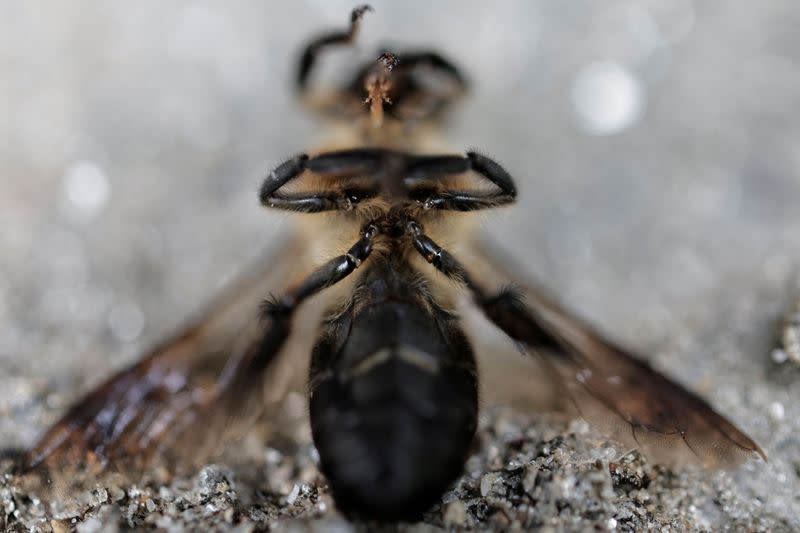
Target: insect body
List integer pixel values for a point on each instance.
(393, 379)
(393, 383)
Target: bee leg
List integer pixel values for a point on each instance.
(463, 200)
(359, 162)
(440, 258)
(279, 312)
(505, 309)
(611, 387)
(426, 167)
(312, 49)
(312, 202)
(323, 277)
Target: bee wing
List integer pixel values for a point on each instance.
(614, 389)
(183, 398)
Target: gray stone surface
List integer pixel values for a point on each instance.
(656, 145)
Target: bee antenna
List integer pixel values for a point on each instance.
(313, 49)
(358, 12)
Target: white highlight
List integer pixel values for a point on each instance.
(86, 187)
(126, 321)
(776, 411)
(607, 98)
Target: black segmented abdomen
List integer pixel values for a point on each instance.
(393, 407)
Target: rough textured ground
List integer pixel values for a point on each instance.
(656, 147)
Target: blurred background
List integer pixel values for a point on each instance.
(655, 143)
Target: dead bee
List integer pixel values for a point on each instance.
(393, 385)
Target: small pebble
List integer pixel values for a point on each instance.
(117, 494)
(101, 495)
(90, 525)
(60, 526)
(272, 456)
(214, 479)
(529, 481)
(292, 496)
(487, 482)
(455, 514)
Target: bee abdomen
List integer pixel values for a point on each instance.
(393, 424)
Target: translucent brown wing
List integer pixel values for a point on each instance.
(187, 395)
(612, 388)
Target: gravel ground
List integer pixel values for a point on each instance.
(655, 145)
